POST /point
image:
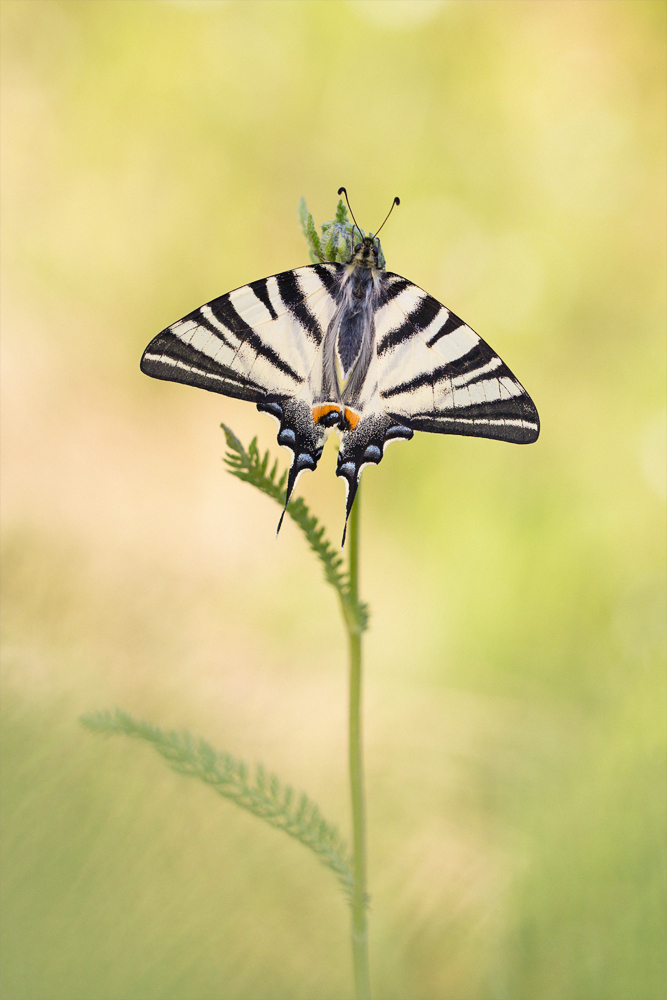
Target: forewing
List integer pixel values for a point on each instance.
(258, 342)
(436, 374)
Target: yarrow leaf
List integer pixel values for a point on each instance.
(264, 796)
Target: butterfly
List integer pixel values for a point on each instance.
(349, 347)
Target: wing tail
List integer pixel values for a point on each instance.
(299, 434)
(365, 446)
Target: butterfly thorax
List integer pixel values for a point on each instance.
(352, 329)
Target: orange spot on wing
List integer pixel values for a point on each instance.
(351, 418)
(323, 409)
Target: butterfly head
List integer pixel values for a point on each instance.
(366, 253)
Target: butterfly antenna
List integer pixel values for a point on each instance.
(396, 201)
(343, 191)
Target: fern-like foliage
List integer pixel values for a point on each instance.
(261, 794)
(310, 232)
(252, 467)
(338, 237)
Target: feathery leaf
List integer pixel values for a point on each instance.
(251, 467)
(264, 797)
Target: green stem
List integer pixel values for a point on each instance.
(359, 897)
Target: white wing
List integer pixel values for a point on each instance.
(436, 374)
(258, 342)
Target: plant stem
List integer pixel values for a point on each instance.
(359, 898)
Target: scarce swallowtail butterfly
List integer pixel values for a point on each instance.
(349, 347)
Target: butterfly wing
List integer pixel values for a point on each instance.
(430, 372)
(259, 342)
(436, 374)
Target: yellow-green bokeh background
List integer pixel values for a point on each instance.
(153, 157)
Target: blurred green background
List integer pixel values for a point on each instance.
(153, 157)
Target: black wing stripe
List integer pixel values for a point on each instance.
(475, 361)
(260, 290)
(246, 335)
(264, 351)
(329, 278)
(200, 318)
(489, 372)
(493, 411)
(451, 323)
(421, 316)
(513, 420)
(393, 287)
(293, 297)
(424, 313)
(175, 360)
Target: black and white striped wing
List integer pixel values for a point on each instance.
(436, 374)
(258, 342)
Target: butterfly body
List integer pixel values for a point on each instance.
(347, 347)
